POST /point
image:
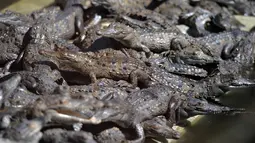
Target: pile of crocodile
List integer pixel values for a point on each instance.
(112, 71)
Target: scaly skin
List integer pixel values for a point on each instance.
(13, 29)
(124, 68)
(21, 23)
(194, 106)
(229, 50)
(66, 105)
(220, 45)
(180, 69)
(64, 24)
(159, 127)
(41, 13)
(9, 51)
(137, 108)
(41, 81)
(89, 64)
(244, 51)
(61, 135)
(222, 16)
(131, 8)
(50, 28)
(8, 85)
(146, 41)
(156, 127)
(197, 20)
(158, 41)
(205, 50)
(63, 108)
(174, 8)
(20, 98)
(101, 93)
(111, 135)
(241, 61)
